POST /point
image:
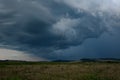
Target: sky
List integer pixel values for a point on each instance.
(38, 30)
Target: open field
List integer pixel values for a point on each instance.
(59, 71)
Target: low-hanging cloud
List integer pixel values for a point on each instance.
(42, 26)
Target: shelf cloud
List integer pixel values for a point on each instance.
(41, 27)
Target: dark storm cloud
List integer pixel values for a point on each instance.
(42, 26)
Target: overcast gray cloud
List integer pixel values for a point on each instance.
(6, 54)
(94, 6)
(44, 28)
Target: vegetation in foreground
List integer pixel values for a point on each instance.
(59, 71)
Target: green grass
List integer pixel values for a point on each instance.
(59, 71)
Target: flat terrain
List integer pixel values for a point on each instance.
(59, 71)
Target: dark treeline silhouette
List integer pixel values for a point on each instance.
(81, 60)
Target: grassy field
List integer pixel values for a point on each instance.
(59, 71)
